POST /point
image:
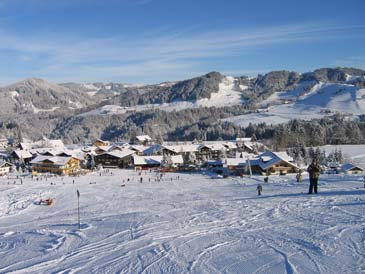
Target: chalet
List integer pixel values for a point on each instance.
(115, 158)
(144, 140)
(145, 162)
(138, 149)
(100, 143)
(351, 169)
(25, 146)
(61, 165)
(22, 155)
(51, 152)
(213, 151)
(101, 149)
(273, 163)
(229, 166)
(4, 167)
(189, 152)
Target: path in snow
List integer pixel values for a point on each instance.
(191, 225)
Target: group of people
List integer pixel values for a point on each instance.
(314, 170)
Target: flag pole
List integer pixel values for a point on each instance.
(78, 207)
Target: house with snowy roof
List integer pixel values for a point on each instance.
(121, 158)
(61, 165)
(100, 143)
(5, 167)
(273, 163)
(351, 169)
(144, 140)
(22, 155)
(145, 162)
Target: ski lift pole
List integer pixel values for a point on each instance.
(78, 207)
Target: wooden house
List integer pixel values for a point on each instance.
(5, 167)
(189, 152)
(115, 158)
(22, 155)
(273, 163)
(351, 169)
(100, 143)
(61, 165)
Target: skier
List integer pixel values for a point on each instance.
(299, 177)
(259, 189)
(140, 180)
(314, 171)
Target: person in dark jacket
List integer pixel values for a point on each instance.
(314, 171)
(259, 189)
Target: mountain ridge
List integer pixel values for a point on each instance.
(42, 108)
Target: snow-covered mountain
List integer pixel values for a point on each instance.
(32, 96)
(81, 112)
(308, 100)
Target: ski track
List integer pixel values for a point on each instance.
(195, 225)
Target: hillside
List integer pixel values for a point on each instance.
(82, 112)
(32, 96)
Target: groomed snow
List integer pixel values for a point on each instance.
(319, 101)
(193, 224)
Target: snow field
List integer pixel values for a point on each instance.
(191, 225)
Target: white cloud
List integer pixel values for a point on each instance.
(154, 54)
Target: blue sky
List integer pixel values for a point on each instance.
(150, 41)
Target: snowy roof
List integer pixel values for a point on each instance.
(183, 148)
(118, 153)
(51, 151)
(4, 163)
(248, 145)
(152, 149)
(269, 158)
(102, 148)
(147, 160)
(26, 145)
(215, 146)
(155, 160)
(230, 145)
(138, 148)
(22, 154)
(101, 141)
(143, 138)
(243, 139)
(234, 161)
(77, 153)
(56, 160)
(348, 167)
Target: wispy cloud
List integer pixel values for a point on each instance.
(149, 55)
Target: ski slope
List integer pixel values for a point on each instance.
(191, 224)
(323, 99)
